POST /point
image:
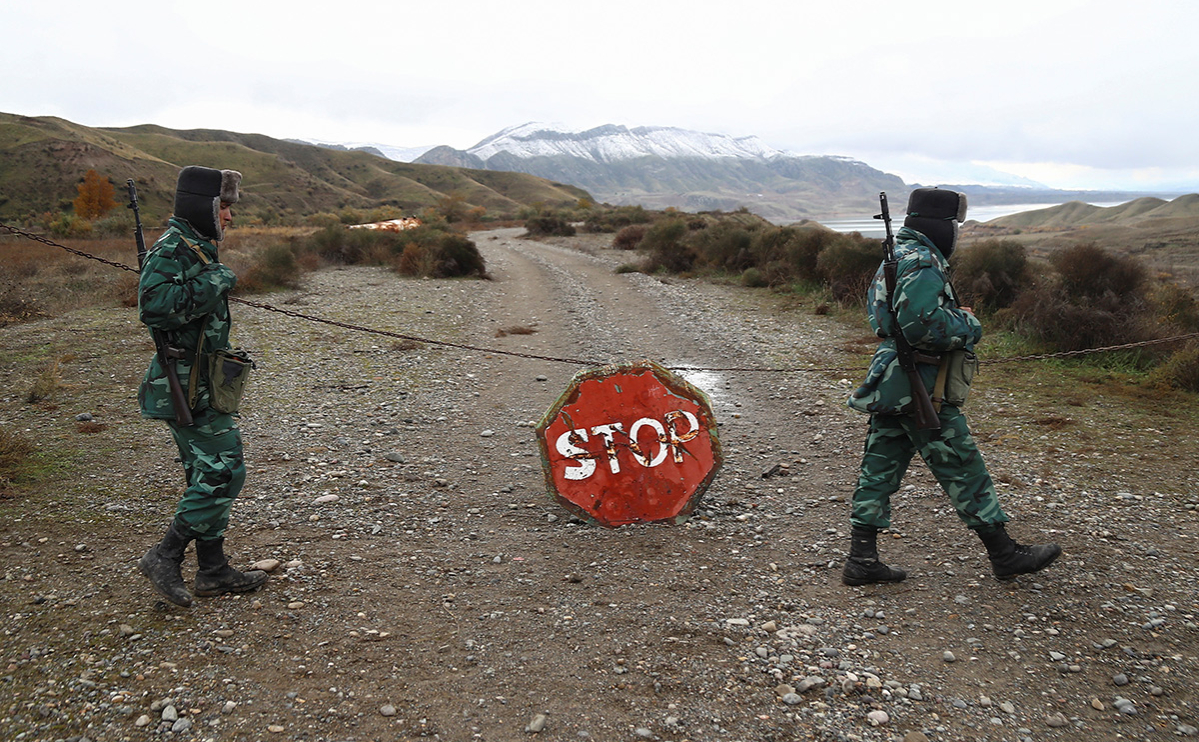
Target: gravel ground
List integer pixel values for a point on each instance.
(424, 586)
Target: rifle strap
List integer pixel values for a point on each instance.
(194, 378)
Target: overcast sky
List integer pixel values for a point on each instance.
(1068, 93)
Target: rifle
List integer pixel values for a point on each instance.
(166, 354)
(922, 404)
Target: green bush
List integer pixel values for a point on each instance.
(753, 278)
(441, 255)
(723, 246)
(666, 247)
(612, 220)
(69, 225)
(428, 250)
(1180, 371)
(788, 254)
(990, 273)
(1175, 306)
(276, 267)
(847, 265)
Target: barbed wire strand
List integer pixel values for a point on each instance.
(581, 362)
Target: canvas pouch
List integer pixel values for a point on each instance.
(228, 374)
(961, 365)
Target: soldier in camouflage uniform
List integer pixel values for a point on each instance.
(184, 292)
(926, 311)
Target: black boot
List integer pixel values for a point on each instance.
(863, 567)
(162, 562)
(216, 577)
(1010, 558)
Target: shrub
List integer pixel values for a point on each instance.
(276, 267)
(753, 278)
(847, 265)
(1062, 322)
(629, 238)
(613, 220)
(723, 246)
(789, 254)
(666, 247)
(1180, 371)
(1175, 306)
(546, 225)
(1087, 270)
(69, 225)
(446, 255)
(990, 273)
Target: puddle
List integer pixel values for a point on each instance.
(711, 382)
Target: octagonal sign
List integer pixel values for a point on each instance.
(629, 443)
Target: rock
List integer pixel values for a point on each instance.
(170, 714)
(387, 710)
(792, 699)
(948, 656)
(396, 457)
(1187, 730)
(84, 417)
(142, 721)
(537, 724)
(812, 681)
(1120, 679)
(266, 565)
(915, 737)
(324, 499)
(878, 717)
(1056, 719)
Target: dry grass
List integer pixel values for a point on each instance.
(515, 330)
(14, 458)
(45, 384)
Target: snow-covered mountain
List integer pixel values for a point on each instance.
(612, 143)
(660, 166)
(664, 166)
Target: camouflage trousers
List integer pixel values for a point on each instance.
(951, 455)
(211, 451)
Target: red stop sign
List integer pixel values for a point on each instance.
(629, 443)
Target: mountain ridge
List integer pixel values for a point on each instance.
(42, 159)
(668, 167)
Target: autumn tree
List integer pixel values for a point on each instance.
(95, 196)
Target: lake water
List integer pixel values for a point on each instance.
(870, 227)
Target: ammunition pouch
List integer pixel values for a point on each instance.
(228, 373)
(959, 370)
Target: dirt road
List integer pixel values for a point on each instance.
(429, 588)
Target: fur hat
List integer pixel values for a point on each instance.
(199, 194)
(936, 213)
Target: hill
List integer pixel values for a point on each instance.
(659, 167)
(42, 159)
(1078, 214)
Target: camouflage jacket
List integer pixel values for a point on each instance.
(182, 284)
(927, 312)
